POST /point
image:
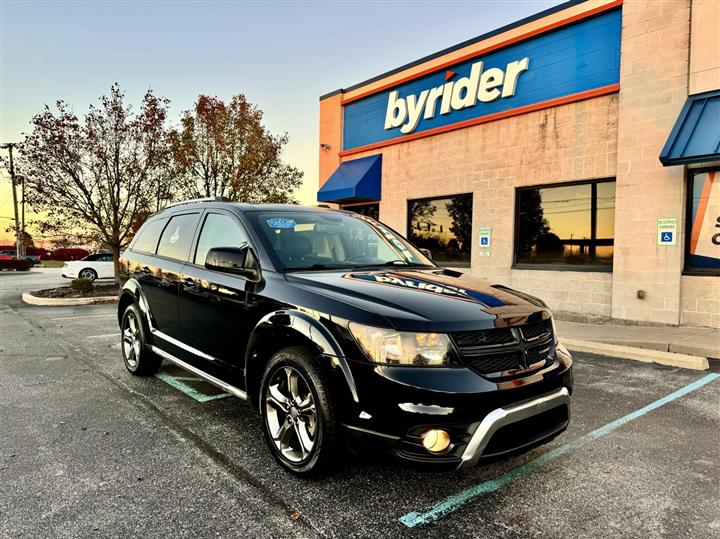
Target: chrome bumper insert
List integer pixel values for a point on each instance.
(505, 416)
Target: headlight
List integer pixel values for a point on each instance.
(392, 347)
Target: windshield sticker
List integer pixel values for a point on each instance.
(430, 287)
(176, 236)
(281, 222)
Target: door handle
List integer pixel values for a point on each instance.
(189, 281)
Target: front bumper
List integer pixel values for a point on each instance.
(512, 415)
(485, 419)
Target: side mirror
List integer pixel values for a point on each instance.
(235, 260)
(426, 252)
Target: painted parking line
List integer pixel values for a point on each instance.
(179, 383)
(455, 502)
(83, 316)
(105, 336)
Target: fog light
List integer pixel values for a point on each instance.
(436, 440)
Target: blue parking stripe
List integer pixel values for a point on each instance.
(178, 382)
(453, 503)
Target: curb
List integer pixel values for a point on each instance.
(35, 300)
(683, 361)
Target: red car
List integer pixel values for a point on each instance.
(72, 253)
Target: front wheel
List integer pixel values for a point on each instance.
(88, 274)
(299, 417)
(137, 356)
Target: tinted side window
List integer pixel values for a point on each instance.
(219, 230)
(177, 237)
(147, 238)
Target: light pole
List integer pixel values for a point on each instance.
(18, 241)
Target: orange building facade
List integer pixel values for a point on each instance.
(569, 155)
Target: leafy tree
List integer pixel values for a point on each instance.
(532, 222)
(91, 177)
(423, 212)
(460, 211)
(225, 150)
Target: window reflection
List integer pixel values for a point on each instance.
(568, 224)
(444, 227)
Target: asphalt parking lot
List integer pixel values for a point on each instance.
(89, 450)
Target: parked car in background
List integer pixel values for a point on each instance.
(66, 254)
(34, 258)
(92, 267)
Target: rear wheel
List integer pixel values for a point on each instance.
(137, 356)
(88, 274)
(299, 416)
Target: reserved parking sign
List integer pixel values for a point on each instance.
(667, 231)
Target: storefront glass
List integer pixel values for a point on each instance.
(704, 223)
(567, 225)
(444, 227)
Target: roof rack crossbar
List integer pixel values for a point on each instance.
(193, 200)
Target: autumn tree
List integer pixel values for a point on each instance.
(96, 174)
(225, 150)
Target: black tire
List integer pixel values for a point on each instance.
(88, 274)
(136, 354)
(322, 457)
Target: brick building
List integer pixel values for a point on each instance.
(574, 155)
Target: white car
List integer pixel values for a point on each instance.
(95, 266)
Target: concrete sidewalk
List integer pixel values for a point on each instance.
(679, 340)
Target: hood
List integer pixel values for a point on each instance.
(426, 299)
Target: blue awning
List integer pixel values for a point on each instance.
(695, 138)
(354, 181)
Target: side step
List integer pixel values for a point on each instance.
(205, 376)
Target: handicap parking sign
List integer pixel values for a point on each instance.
(484, 241)
(667, 231)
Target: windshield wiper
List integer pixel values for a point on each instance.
(398, 264)
(314, 267)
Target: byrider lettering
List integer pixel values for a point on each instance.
(480, 86)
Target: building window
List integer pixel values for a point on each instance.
(444, 227)
(570, 225)
(703, 244)
(369, 210)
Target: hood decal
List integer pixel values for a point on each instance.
(426, 286)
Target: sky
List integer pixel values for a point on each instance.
(281, 55)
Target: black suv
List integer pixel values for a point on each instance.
(342, 334)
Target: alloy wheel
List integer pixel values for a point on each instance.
(290, 414)
(87, 274)
(131, 340)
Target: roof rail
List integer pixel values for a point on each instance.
(193, 200)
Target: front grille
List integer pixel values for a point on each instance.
(499, 350)
(537, 353)
(487, 337)
(502, 361)
(538, 329)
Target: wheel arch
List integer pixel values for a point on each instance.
(289, 327)
(131, 292)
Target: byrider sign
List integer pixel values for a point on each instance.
(571, 62)
(479, 86)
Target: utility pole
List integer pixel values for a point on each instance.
(18, 240)
(22, 215)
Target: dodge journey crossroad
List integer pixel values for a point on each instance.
(342, 335)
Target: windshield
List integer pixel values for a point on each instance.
(326, 240)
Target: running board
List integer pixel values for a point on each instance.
(205, 376)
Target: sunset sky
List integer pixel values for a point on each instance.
(281, 55)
